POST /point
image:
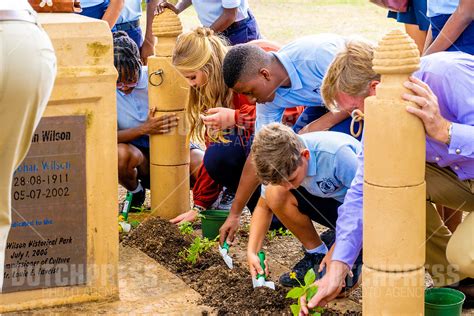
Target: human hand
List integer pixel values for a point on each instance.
(327, 259)
(229, 228)
(255, 266)
(159, 125)
(160, 8)
(329, 286)
(219, 118)
(146, 50)
(189, 216)
(435, 125)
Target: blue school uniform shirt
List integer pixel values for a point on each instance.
(91, 3)
(131, 11)
(132, 109)
(306, 61)
(208, 11)
(332, 163)
(438, 7)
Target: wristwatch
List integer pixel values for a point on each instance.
(198, 208)
(450, 132)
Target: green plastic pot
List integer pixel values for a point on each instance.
(443, 302)
(212, 221)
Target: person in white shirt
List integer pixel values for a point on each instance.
(27, 72)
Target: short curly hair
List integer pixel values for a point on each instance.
(243, 61)
(276, 153)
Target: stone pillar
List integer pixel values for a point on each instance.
(68, 188)
(394, 187)
(169, 153)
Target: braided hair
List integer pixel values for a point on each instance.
(126, 57)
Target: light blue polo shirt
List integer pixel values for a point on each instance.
(132, 109)
(208, 11)
(306, 61)
(132, 11)
(438, 7)
(91, 3)
(332, 163)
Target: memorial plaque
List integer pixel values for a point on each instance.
(47, 244)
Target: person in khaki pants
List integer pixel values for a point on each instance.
(442, 89)
(27, 72)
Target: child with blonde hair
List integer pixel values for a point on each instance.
(220, 118)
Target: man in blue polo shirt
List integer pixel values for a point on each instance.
(276, 81)
(231, 18)
(308, 176)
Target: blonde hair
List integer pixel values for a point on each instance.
(276, 153)
(201, 50)
(350, 72)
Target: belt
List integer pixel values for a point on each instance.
(17, 15)
(127, 25)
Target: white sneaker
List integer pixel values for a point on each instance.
(224, 200)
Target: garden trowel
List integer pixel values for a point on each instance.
(261, 280)
(224, 250)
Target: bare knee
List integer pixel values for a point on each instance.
(278, 197)
(129, 158)
(460, 249)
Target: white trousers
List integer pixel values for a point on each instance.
(27, 72)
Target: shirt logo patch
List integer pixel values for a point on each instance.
(327, 185)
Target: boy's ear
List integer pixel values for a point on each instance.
(305, 153)
(265, 73)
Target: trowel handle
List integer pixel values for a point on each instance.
(261, 256)
(225, 246)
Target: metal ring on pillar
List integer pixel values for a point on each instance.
(159, 72)
(357, 116)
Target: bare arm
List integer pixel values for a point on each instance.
(130, 134)
(148, 47)
(247, 185)
(113, 12)
(261, 220)
(153, 125)
(325, 122)
(456, 24)
(225, 20)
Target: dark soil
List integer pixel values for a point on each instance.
(229, 291)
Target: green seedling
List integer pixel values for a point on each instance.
(186, 228)
(284, 232)
(196, 249)
(271, 234)
(140, 209)
(308, 290)
(200, 216)
(135, 223)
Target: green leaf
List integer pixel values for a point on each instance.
(295, 309)
(309, 277)
(295, 292)
(311, 291)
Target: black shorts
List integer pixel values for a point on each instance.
(321, 210)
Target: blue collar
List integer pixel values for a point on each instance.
(311, 161)
(290, 68)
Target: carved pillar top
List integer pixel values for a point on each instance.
(396, 53)
(166, 27)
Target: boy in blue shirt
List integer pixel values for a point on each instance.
(276, 81)
(308, 176)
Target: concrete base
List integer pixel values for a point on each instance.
(145, 288)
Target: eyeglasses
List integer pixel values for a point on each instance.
(121, 85)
